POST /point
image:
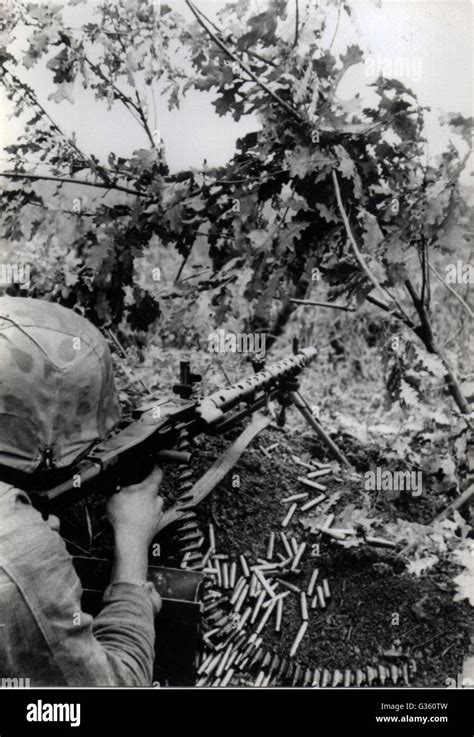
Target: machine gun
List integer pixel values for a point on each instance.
(156, 436)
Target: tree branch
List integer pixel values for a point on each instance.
(297, 19)
(333, 306)
(398, 315)
(425, 333)
(360, 259)
(70, 180)
(230, 54)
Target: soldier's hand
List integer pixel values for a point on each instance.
(136, 511)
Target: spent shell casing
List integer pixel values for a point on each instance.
(326, 591)
(298, 556)
(337, 678)
(266, 680)
(285, 562)
(238, 584)
(312, 503)
(212, 537)
(334, 534)
(204, 665)
(265, 583)
(282, 668)
(227, 678)
(302, 463)
(371, 674)
(288, 585)
(319, 473)
(272, 446)
(275, 663)
(232, 574)
(266, 660)
(298, 638)
(325, 678)
(312, 581)
(221, 556)
(237, 591)
(241, 599)
(212, 665)
(206, 556)
(217, 565)
(314, 602)
(296, 674)
(265, 618)
(295, 497)
(406, 678)
(257, 606)
(380, 542)
(225, 575)
(244, 566)
(286, 545)
(307, 677)
(303, 607)
(257, 657)
(347, 678)
(312, 484)
(259, 679)
(244, 618)
(381, 673)
(271, 546)
(279, 615)
(223, 661)
(211, 606)
(316, 682)
(360, 677)
(393, 673)
(287, 519)
(320, 595)
(294, 544)
(328, 521)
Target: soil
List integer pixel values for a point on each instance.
(375, 605)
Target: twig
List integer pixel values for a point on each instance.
(70, 180)
(457, 504)
(394, 313)
(337, 25)
(333, 306)
(123, 353)
(371, 277)
(296, 24)
(241, 64)
(450, 289)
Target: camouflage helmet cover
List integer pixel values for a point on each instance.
(57, 391)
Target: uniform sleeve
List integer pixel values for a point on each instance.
(115, 649)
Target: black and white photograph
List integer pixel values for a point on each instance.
(236, 350)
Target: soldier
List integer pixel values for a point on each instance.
(57, 400)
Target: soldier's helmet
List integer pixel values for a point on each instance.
(57, 391)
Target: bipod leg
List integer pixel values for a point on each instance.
(305, 410)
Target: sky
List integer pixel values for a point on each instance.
(427, 44)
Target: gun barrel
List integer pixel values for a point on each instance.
(212, 408)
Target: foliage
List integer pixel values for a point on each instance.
(320, 175)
